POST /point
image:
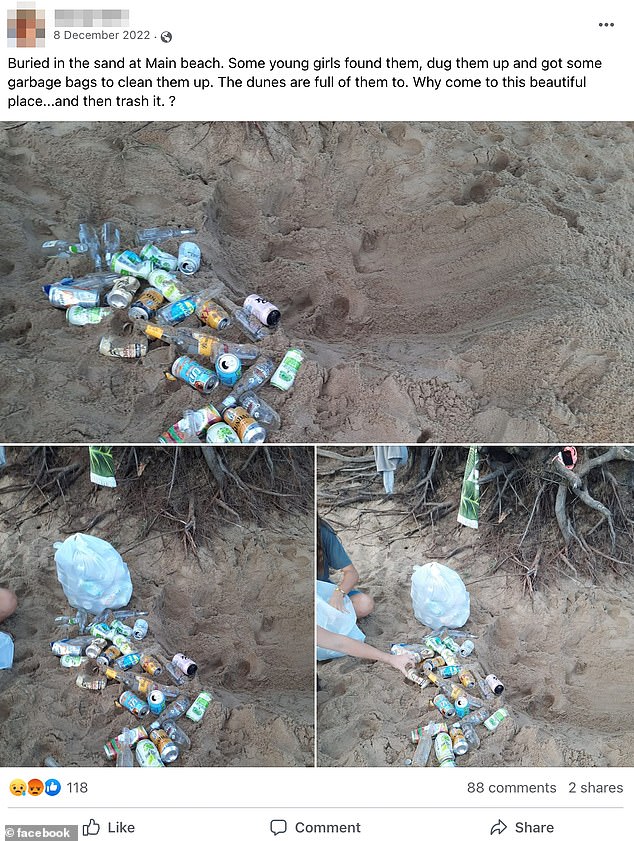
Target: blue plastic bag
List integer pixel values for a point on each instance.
(92, 573)
(6, 650)
(334, 620)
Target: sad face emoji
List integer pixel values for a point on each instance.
(36, 787)
(17, 787)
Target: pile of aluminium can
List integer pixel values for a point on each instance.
(105, 654)
(153, 290)
(455, 677)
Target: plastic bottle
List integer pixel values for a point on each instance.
(484, 689)
(471, 735)
(110, 240)
(476, 717)
(125, 759)
(249, 324)
(251, 380)
(88, 237)
(260, 410)
(56, 247)
(177, 676)
(144, 235)
(175, 710)
(177, 735)
(287, 370)
(423, 749)
(128, 614)
(51, 762)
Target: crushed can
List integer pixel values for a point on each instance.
(81, 316)
(168, 285)
(160, 259)
(71, 661)
(96, 647)
(116, 347)
(91, 680)
(128, 263)
(122, 293)
(121, 628)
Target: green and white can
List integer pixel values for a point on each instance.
(287, 370)
(160, 259)
(147, 755)
(167, 284)
(199, 707)
(81, 316)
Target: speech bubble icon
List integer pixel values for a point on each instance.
(278, 827)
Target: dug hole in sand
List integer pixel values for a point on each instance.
(562, 645)
(224, 572)
(446, 281)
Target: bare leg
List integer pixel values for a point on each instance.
(363, 604)
(8, 603)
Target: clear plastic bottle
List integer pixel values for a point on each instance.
(88, 237)
(476, 717)
(260, 410)
(128, 614)
(177, 676)
(58, 247)
(125, 759)
(145, 235)
(484, 689)
(176, 734)
(471, 735)
(175, 710)
(51, 762)
(246, 322)
(110, 240)
(251, 380)
(423, 749)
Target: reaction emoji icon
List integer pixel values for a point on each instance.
(52, 787)
(36, 787)
(17, 787)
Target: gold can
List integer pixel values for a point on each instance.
(466, 679)
(151, 666)
(456, 691)
(213, 315)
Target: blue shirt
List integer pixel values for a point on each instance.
(335, 556)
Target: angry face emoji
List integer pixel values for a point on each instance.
(36, 787)
(17, 787)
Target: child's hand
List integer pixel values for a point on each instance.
(402, 662)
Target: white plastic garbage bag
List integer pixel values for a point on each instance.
(439, 596)
(334, 620)
(6, 650)
(92, 573)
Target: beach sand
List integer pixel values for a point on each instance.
(565, 656)
(447, 281)
(226, 609)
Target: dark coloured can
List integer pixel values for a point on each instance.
(168, 751)
(187, 666)
(146, 305)
(228, 368)
(247, 428)
(107, 657)
(197, 376)
(134, 704)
